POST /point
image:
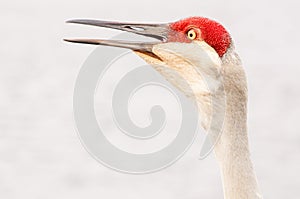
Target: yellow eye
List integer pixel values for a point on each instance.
(191, 34)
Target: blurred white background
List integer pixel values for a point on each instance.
(40, 153)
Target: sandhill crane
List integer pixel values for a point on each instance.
(188, 46)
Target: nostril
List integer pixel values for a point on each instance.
(133, 28)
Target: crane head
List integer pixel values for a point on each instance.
(192, 47)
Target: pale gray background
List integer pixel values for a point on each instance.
(40, 153)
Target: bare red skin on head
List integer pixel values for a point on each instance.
(213, 33)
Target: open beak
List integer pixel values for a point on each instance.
(157, 31)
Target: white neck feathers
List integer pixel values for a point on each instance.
(225, 81)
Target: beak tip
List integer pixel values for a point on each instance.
(70, 40)
(73, 21)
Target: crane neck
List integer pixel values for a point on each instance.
(233, 155)
(231, 144)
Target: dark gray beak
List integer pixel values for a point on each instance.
(157, 31)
